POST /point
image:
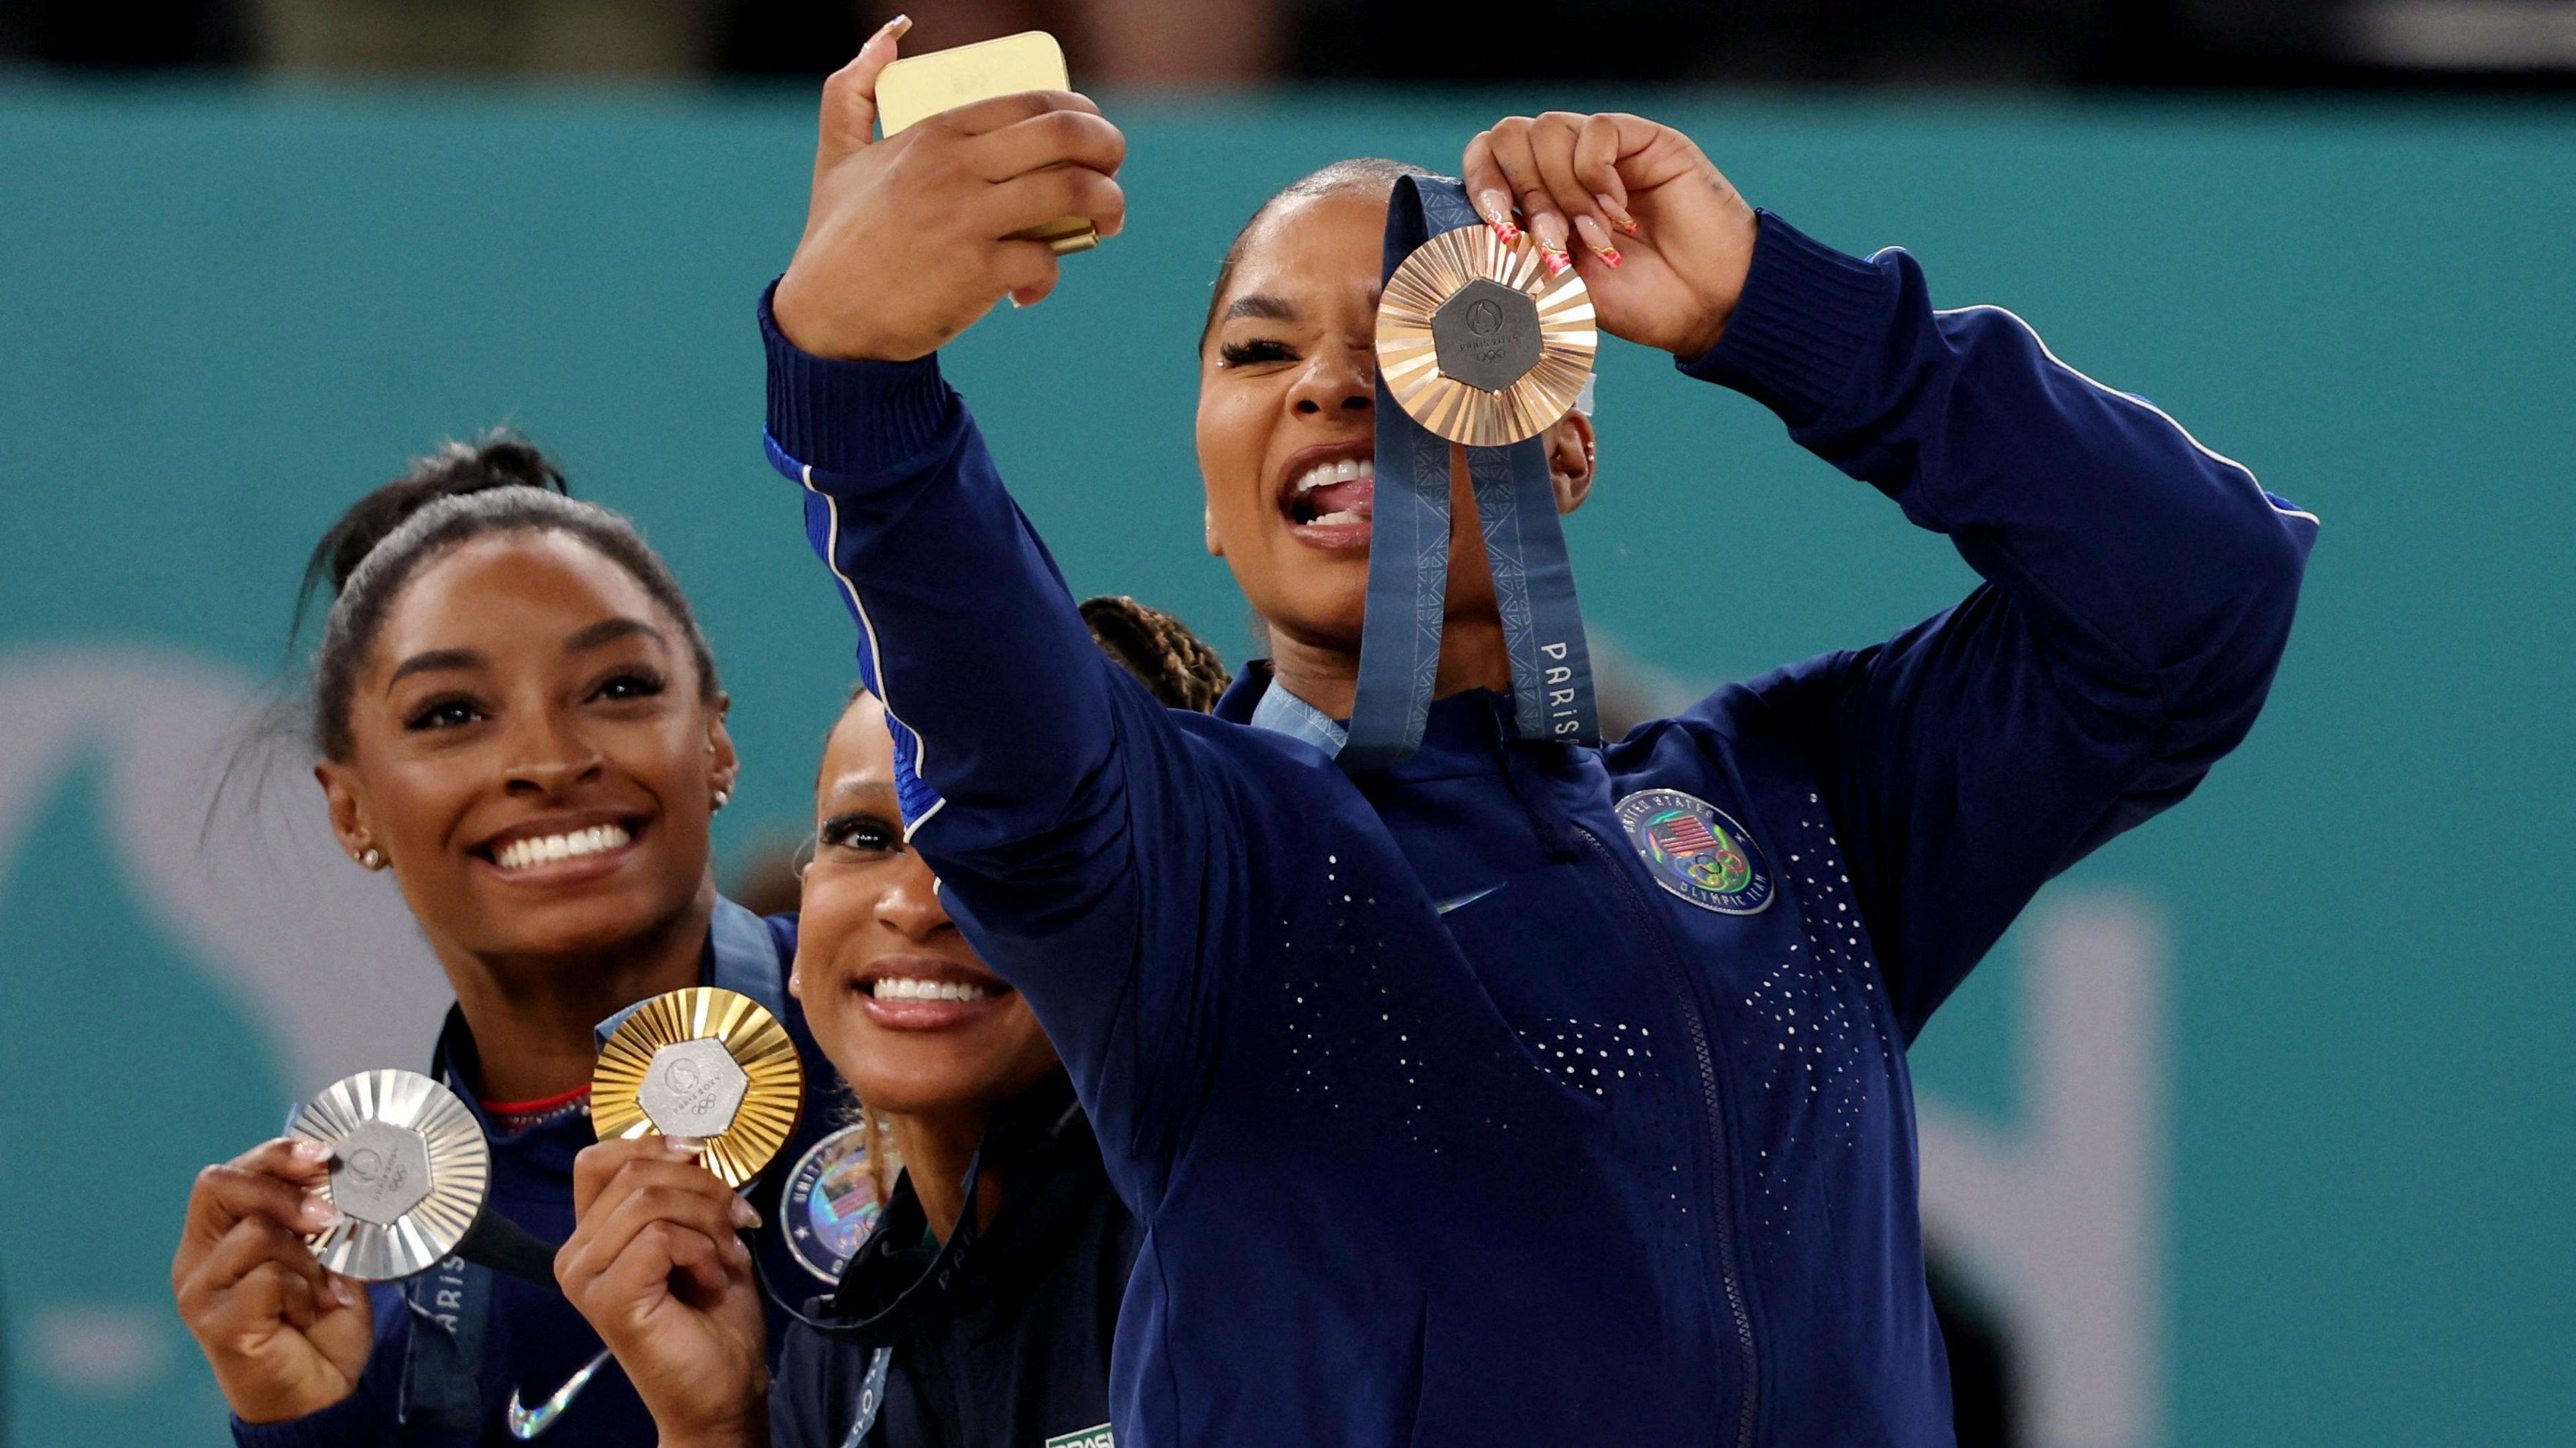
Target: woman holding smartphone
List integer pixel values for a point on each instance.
(1522, 1091)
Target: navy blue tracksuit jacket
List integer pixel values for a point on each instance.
(1535, 1094)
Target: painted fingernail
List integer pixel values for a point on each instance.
(1496, 208)
(1597, 239)
(312, 1153)
(896, 28)
(1618, 214)
(321, 1214)
(745, 1215)
(344, 1291)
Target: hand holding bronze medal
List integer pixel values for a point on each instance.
(704, 1066)
(1478, 344)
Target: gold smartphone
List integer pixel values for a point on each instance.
(918, 87)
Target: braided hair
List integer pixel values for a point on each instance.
(1175, 665)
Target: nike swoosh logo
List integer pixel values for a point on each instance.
(1445, 906)
(526, 1423)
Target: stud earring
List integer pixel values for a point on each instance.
(723, 798)
(370, 858)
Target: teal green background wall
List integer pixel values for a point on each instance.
(223, 313)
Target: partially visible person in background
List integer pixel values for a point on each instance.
(515, 713)
(982, 1310)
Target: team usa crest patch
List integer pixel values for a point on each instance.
(831, 1202)
(1693, 850)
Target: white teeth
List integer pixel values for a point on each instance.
(520, 854)
(908, 988)
(1348, 470)
(1343, 516)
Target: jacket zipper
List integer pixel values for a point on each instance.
(1707, 1063)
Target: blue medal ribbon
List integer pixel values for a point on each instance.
(451, 1303)
(1409, 555)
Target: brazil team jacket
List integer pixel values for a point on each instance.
(1005, 1341)
(1527, 1093)
(458, 1348)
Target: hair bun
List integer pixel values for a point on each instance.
(499, 459)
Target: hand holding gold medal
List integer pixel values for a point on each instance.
(704, 1066)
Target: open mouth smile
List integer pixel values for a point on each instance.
(561, 848)
(1328, 494)
(926, 993)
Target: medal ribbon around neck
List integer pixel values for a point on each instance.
(1447, 325)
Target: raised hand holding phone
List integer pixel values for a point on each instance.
(909, 240)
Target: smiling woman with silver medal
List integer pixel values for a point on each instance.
(517, 718)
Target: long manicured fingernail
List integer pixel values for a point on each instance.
(321, 1214)
(745, 1215)
(1496, 208)
(1597, 239)
(312, 1153)
(1617, 213)
(344, 1291)
(896, 28)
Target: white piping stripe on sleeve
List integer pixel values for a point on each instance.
(876, 657)
(938, 801)
(2205, 449)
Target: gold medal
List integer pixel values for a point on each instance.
(1478, 344)
(706, 1066)
(409, 1169)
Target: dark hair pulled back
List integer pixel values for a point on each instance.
(1364, 175)
(499, 484)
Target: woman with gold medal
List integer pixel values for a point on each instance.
(982, 1308)
(1477, 1081)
